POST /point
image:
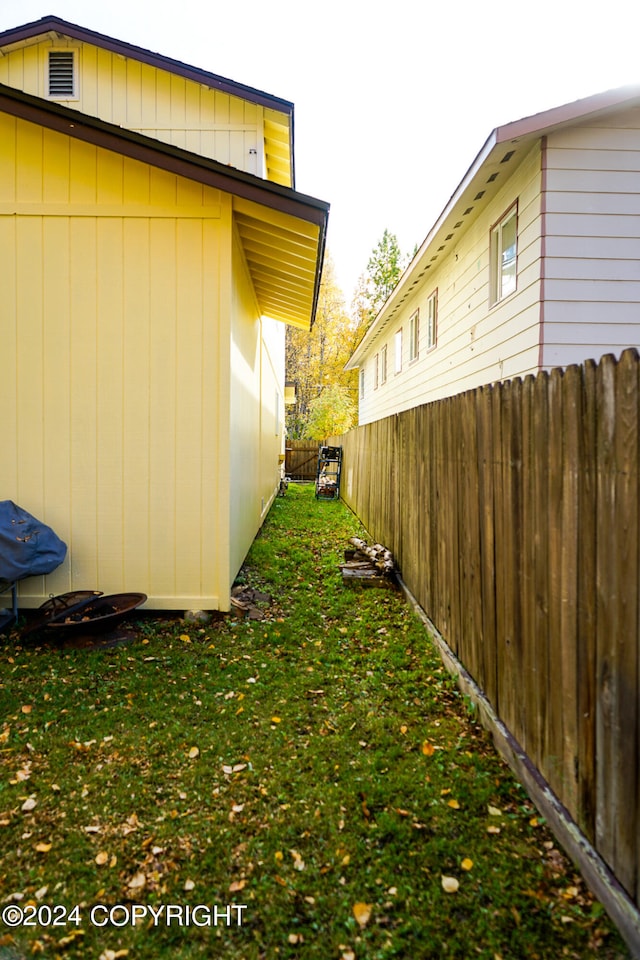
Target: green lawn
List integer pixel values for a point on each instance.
(314, 776)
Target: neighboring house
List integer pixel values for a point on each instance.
(534, 262)
(152, 249)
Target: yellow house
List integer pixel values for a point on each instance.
(152, 249)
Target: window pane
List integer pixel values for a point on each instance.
(508, 257)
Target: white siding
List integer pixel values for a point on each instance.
(476, 343)
(592, 266)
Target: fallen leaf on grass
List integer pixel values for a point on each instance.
(298, 862)
(29, 804)
(453, 804)
(188, 885)
(449, 884)
(43, 847)
(493, 829)
(193, 753)
(102, 858)
(428, 749)
(237, 885)
(362, 913)
(113, 954)
(137, 881)
(26, 708)
(467, 864)
(494, 811)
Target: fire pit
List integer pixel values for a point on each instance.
(99, 615)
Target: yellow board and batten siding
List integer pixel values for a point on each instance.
(475, 344)
(115, 359)
(160, 104)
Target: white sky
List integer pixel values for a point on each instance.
(392, 101)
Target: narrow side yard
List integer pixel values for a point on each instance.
(310, 784)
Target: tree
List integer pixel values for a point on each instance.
(315, 361)
(384, 268)
(331, 413)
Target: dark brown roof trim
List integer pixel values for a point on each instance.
(84, 35)
(164, 155)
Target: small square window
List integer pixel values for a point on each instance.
(61, 75)
(503, 256)
(414, 336)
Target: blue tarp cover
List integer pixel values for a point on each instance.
(28, 547)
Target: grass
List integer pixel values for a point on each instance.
(318, 766)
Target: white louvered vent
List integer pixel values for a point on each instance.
(61, 73)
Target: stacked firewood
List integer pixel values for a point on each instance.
(373, 565)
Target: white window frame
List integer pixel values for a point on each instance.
(502, 264)
(397, 354)
(376, 371)
(414, 336)
(361, 383)
(383, 364)
(432, 320)
(75, 53)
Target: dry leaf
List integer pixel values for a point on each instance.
(453, 804)
(493, 829)
(4, 736)
(450, 884)
(428, 749)
(102, 858)
(494, 811)
(298, 862)
(276, 720)
(237, 885)
(29, 804)
(189, 885)
(26, 708)
(403, 728)
(43, 847)
(348, 955)
(137, 881)
(193, 753)
(467, 864)
(362, 913)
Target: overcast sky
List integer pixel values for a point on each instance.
(392, 100)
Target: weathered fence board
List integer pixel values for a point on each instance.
(513, 512)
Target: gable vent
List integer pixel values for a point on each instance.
(61, 73)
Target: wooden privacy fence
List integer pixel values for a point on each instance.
(513, 513)
(301, 459)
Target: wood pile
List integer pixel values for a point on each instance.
(371, 566)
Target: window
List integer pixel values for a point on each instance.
(376, 371)
(362, 382)
(383, 365)
(61, 75)
(432, 316)
(398, 351)
(503, 256)
(414, 335)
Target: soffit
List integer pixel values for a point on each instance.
(282, 255)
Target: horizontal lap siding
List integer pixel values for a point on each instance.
(592, 243)
(110, 368)
(475, 343)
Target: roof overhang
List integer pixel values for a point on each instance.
(283, 232)
(278, 113)
(501, 153)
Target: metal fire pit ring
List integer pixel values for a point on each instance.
(97, 616)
